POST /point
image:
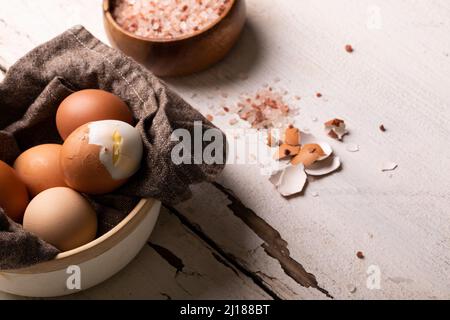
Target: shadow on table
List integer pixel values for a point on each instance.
(236, 66)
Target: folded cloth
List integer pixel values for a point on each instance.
(29, 97)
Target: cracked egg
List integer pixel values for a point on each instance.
(100, 156)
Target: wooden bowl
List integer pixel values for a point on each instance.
(97, 260)
(184, 55)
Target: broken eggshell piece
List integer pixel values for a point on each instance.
(308, 138)
(324, 167)
(285, 151)
(292, 136)
(310, 153)
(336, 129)
(290, 181)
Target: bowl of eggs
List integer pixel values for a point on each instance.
(46, 191)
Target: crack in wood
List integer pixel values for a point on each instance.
(165, 295)
(170, 257)
(275, 246)
(230, 258)
(224, 262)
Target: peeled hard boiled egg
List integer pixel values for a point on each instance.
(61, 217)
(13, 193)
(90, 105)
(100, 156)
(39, 168)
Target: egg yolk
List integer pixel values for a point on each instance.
(117, 144)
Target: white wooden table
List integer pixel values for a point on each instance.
(243, 240)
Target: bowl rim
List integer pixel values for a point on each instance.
(108, 15)
(95, 247)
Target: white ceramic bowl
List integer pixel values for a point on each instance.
(97, 260)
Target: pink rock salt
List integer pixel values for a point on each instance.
(168, 19)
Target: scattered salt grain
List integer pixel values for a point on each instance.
(351, 288)
(263, 110)
(360, 255)
(352, 147)
(315, 194)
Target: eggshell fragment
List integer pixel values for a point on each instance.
(352, 147)
(290, 181)
(272, 167)
(292, 136)
(321, 168)
(308, 154)
(285, 151)
(336, 129)
(327, 150)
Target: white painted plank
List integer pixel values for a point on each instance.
(192, 271)
(396, 76)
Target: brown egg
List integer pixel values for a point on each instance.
(90, 105)
(100, 156)
(39, 168)
(61, 217)
(13, 193)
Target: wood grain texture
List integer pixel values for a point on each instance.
(305, 247)
(396, 77)
(197, 273)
